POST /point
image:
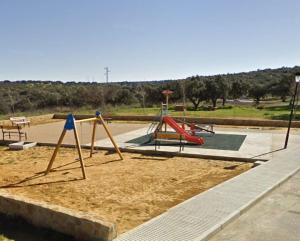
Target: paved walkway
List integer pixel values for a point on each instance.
(275, 218)
(205, 214)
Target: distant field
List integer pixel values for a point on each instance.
(271, 112)
(277, 111)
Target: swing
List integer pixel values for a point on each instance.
(70, 125)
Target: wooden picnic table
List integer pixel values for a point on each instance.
(20, 121)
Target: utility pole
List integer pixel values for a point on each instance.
(106, 73)
(297, 79)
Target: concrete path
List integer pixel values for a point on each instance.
(205, 214)
(275, 218)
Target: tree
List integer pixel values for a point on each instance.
(141, 94)
(195, 91)
(258, 91)
(125, 96)
(153, 95)
(12, 100)
(213, 91)
(237, 90)
(223, 88)
(282, 88)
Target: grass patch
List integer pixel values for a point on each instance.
(247, 112)
(270, 111)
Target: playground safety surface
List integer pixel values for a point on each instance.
(128, 192)
(231, 142)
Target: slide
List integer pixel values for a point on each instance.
(172, 123)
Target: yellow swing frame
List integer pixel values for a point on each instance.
(70, 125)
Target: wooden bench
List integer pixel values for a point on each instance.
(13, 131)
(22, 120)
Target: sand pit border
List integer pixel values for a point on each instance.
(81, 226)
(153, 152)
(163, 153)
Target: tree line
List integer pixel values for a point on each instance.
(20, 96)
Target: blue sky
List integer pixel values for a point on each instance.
(145, 40)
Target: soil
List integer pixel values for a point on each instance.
(128, 192)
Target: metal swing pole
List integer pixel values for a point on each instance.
(297, 78)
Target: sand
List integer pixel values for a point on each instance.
(128, 192)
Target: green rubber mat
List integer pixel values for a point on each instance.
(229, 142)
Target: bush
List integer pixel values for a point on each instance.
(225, 107)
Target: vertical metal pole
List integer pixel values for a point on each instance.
(106, 74)
(167, 103)
(291, 117)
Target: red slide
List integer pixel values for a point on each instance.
(172, 123)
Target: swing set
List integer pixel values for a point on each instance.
(70, 125)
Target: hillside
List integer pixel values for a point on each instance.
(29, 95)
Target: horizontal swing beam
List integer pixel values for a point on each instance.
(70, 124)
(86, 120)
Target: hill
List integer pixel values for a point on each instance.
(30, 95)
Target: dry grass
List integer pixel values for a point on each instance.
(127, 192)
(35, 120)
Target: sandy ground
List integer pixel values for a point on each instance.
(127, 192)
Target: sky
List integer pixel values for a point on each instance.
(140, 40)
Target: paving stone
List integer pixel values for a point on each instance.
(204, 214)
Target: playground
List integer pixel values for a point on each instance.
(126, 173)
(154, 184)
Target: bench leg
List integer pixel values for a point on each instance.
(180, 145)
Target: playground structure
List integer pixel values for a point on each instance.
(184, 132)
(70, 125)
(113, 169)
